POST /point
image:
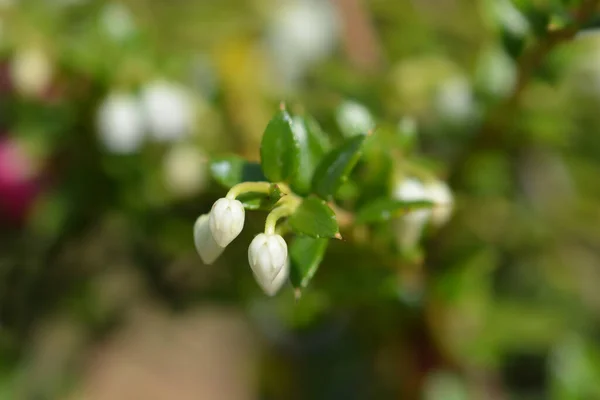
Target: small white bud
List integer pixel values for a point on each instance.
(440, 195)
(208, 249)
(226, 220)
(267, 256)
(272, 286)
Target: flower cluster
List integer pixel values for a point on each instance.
(267, 254)
(163, 111)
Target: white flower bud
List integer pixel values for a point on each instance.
(120, 123)
(168, 110)
(208, 249)
(267, 256)
(226, 220)
(272, 286)
(410, 226)
(440, 195)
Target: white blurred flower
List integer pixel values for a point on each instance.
(354, 119)
(226, 220)
(120, 123)
(31, 71)
(454, 99)
(185, 170)
(206, 246)
(440, 195)
(168, 110)
(510, 17)
(410, 226)
(268, 258)
(496, 72)
(303, 32)
(117, 21)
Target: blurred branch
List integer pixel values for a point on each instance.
(532, 60)
(492, 128)
(360, 37)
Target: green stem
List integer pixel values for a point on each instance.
(246, 187)
(287, 206)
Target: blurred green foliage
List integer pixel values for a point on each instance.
(499, 98)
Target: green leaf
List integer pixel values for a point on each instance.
(279, 149)
(314, 218)
(334, 168)
(385, 209)
(306, 254)
(313, 145)
(231, 170)
(261, 201)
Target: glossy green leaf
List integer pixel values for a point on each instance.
(314, 218)
(231, 170)
(306, 254)
(279, 149)
(385, 209)
(313, 145)
(334, 168)
(261, 201)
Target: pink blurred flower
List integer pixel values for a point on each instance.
(19, 183)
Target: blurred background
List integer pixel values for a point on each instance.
(110, 112)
